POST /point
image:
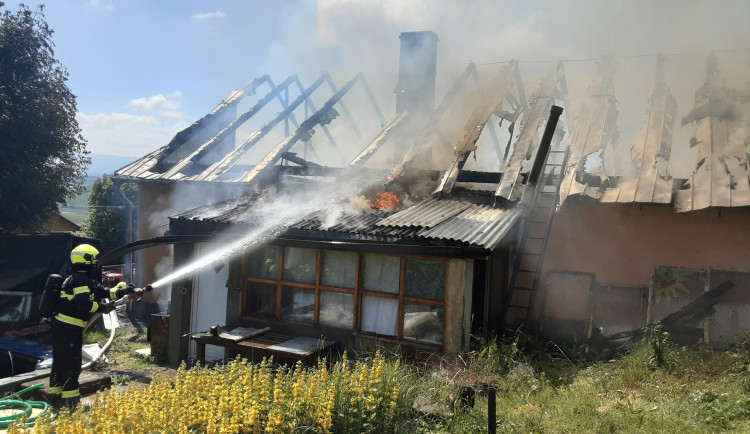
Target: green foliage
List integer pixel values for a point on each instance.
(95, 336)
(741, 368)
(703, 393)
(107, 220)
(720, 409)
(44, 157)
(662, 354)
(120, 379)
(494, 357)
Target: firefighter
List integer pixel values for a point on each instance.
(80, 296)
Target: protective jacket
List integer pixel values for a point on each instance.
(80, 297)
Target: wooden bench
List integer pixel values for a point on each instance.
(280, 346)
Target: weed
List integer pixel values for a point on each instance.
(120, 379)
(662, 354)
(721, 410)
(494, 357)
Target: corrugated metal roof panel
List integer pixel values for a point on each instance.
(478, 225)
(343, 222)
(425, 214)
(459, 222)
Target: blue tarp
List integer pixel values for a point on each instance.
(25, 347)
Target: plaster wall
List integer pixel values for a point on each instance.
(151, 200)
(620, 243)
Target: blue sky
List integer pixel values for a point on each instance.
(143, 69)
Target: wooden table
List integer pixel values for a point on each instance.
(280, 346)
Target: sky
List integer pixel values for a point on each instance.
(143, 70)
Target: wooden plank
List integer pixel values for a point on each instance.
(689, 311)
(88, 382)
(529, 136)
(301, 346)
(720, 178)
(305, 129)
(13, 384)
(386, 133)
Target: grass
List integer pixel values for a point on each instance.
(650, 386)
(121, 352)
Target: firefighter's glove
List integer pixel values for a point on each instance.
(44, 321)
(130, 288)
(106, 307)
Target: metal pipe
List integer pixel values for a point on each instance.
(491, 410)
(131, 274)
(544, 145)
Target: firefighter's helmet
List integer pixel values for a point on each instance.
(84, 254)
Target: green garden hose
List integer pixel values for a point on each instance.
(24, 409)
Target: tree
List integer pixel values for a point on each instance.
(43, 157)
(107, 220)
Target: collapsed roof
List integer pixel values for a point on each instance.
(423, 156)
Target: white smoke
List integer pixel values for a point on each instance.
(275, 212)
(362, 35)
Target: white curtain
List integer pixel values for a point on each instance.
(379, 315)
(382, 273)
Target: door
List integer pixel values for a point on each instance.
(209, 299)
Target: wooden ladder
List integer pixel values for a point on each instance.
(533, 243)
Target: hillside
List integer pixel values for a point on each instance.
(76, 209)
(106, 164)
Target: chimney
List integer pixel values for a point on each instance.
(415, 91)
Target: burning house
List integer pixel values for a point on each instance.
(411, 242)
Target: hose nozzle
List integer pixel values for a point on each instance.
(148, 288)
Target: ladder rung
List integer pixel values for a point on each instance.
(520, 288)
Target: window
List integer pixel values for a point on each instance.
(262, 263)
(382, 273)
(380, 315)
(339, 269)
(388, 295)
(336, 309)
(423, 322)
(380, 311)
(425, 279)
(260, 299)
(297, 305)
(299, 265)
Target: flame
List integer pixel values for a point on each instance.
(385, 201)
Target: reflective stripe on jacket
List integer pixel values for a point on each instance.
(79, 297)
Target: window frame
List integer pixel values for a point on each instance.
(358, 292)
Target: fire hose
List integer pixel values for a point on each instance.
(22, 409)
(137, 295)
